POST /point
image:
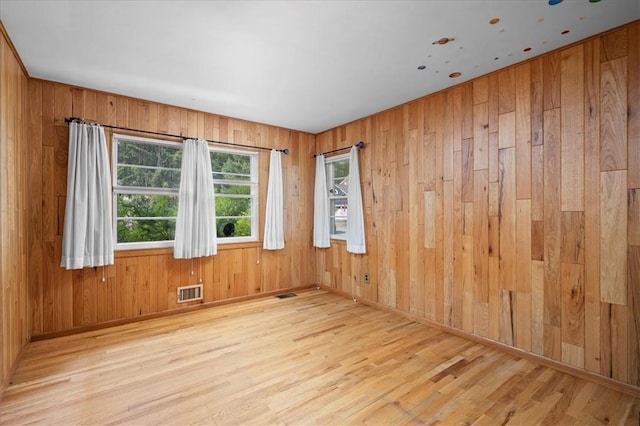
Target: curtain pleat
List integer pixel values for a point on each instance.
(274, 220)
(320, 206)
(87, 238)
(355, 217)
(196, 221)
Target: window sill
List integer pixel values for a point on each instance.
(125, 253)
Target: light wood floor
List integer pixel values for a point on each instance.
(315, 358)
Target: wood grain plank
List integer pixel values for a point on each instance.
(613, 237)
(572, 281)
(633, 107)
(572, 245)
(480, 90)
(523, 322)
(481, 237)
(507, 130)
(494, 169)
(537, 182)
(506, 90)
(467, 170)
(634, 318)
(633, 217)
(523, 130)
(537, 240)
(572, 129)
(467, 283)
(507, 219)
(448, 193)
(551, 80)
(592, 206)
(613, 115)
(480, 137)
(552, 231)
(507, 316)
(614, 45)
(537, 102)
(537, 307)
(429, 219)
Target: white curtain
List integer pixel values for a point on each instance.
(274, 228)
(321, 206)
(87, 238)
(355, 216)
(196, 222)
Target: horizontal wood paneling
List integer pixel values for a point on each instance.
(15, 235)
(144, 282)
(535, 224)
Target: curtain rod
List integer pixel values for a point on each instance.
(359, 145)
(72, 119)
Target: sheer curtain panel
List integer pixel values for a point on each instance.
(196, 222)
(320, 206)
(274, 221)
(355, 216)
(87, 238)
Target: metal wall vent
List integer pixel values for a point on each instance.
(189, 293)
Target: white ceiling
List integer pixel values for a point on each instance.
(307, 65)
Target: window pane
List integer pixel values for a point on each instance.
(228, 166)
(232, 189)
(148, 177)
(136, 217)
(144, 230)
(233, 227)
(338, 174)
(136, 205)
(338, 216)
(148, 165)
(233, 207)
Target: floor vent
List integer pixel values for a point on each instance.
(285, 295)
(189, 293)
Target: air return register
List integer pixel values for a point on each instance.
(189, 293)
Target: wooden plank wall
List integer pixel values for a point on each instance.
(144, 281)
(14, 291)
(509, 206)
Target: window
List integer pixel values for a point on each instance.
(235, 180)
(146, 183)
(337, 169)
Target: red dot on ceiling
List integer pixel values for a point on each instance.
(526, 49)
(494, 21)
(565, 32)
(455, 74)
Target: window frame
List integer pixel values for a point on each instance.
(330, 175)
(254, 192)
(117, 190)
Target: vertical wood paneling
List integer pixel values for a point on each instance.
(523, 131)
(144, 281)
(613, 115)
(523, 322)
(572, 128)
(633, 114)
(507, 219)
(613, 237)
(17, 240)
(552, 220)
(525, 209)
(592, 206)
